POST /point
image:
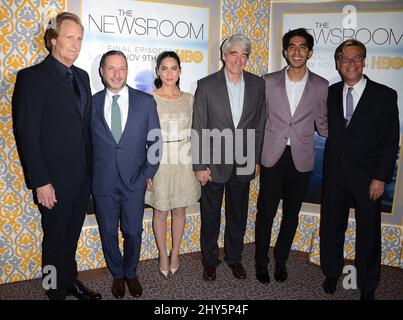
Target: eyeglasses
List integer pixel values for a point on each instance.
(347, 60)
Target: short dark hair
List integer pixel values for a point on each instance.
(53, 27)
(162, 56)
(349, 43)
(302, 32)
(111, 53)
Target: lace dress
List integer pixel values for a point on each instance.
(174, 184)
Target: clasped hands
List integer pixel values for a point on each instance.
(203, 176)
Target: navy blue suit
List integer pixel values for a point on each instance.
(119, 177)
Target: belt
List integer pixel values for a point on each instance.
(170, 141)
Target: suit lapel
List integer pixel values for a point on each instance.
(130, 111)
(63, 83)
(223, 93)
(305, 96)
(247, 93)
(339, 105)
(360, 111)
(100, 107)
(281, 86)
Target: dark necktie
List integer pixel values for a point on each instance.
(73, 84)
(349, 106)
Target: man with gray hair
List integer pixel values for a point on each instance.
(229, 105)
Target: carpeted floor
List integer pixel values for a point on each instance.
(304, 283)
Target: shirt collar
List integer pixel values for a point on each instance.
(303, 80)
(123, 93)
(233, 84)
(358, 87)
(61, 68)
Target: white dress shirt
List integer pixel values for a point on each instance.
(295, 89)
(123, 103)
(357, 91)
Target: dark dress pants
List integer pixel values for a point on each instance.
(236, 214)
(337, 197)
(126, 207)
(61, 231)
(282, 180)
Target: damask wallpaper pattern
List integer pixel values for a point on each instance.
(21, 45)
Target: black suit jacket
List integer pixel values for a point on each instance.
(52, 136)
(367, 149)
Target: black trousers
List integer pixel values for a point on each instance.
(236, 213)
(61, 231)
(336, 200)
(282, 180)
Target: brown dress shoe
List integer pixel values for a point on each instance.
(118, 288)
(238, 270)
(209, 273)
(135, 288)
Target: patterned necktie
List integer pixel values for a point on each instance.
(349, 106)
(73, 84)
(116, 122)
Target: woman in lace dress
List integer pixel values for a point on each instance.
(174, 186)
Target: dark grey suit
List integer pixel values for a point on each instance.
(211, 111)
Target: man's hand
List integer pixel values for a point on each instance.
(203, 176)
(376, 189)
(46, 196)
(149, 184)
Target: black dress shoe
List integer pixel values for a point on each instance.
(262, 275)
(209, 273)
(118, 288)
(135, 287)
(280, 273)
(367, 295)
(81, 292)
(238, 270)
(329, 285)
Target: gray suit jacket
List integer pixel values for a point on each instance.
(300, 127)
(211, 111)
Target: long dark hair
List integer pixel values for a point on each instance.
(162, 56)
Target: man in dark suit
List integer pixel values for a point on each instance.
(229, 112)
(126, 140)
(360, 156)
(295, 103)
(52, 102)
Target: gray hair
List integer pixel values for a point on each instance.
(238, 38)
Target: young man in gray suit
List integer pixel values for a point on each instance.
(229, 104)
(295, 103)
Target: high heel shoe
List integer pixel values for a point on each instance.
(164, 273)
(172, 269)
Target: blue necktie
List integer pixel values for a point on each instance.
(349, 106)
(116, 121)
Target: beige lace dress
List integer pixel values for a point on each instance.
(174, 184)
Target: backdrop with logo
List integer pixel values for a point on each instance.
(378, 25)
(142, 30)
